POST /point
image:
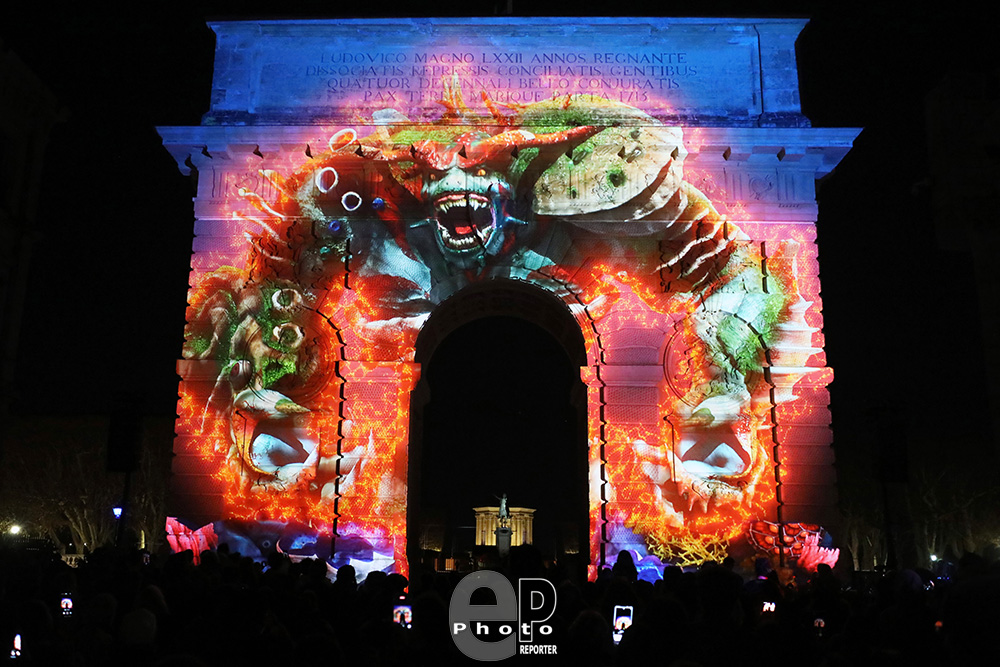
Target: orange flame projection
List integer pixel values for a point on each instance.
(304, 328)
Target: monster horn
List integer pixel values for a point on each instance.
(499, 116)
(452, 100)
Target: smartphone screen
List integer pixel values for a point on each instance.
(622, 621)
(402, 613)
(66, 605)
(767, 607)
(15, 651)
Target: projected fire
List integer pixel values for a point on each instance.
(345, 253)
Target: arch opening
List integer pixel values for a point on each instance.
(500, 408)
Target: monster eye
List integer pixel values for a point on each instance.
(480, 172)
(285, 298)
(288, 334)
(433, 177)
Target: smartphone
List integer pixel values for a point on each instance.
(622, 621)
(15, 651)
(402, 612)
(66, 605)
(767, 607)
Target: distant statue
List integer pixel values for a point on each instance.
(504, 513)
(503, 531)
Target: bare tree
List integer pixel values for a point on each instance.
(57, 485)
(952, 511)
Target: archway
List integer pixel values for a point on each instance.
(500, 408)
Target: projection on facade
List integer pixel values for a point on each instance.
(652, 177)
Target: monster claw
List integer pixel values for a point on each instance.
(701, 502)
(288, 407)
(690, 497)
(682, 489)
(267, 401)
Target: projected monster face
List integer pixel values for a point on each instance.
(468, 209)
(309, 340)
(466, 186)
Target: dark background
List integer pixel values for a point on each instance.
(907, 310)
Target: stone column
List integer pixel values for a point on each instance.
(376, 399)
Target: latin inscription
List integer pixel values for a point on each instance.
(419, 78)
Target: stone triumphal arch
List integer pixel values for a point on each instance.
(367, 186)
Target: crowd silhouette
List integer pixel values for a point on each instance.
(129, 609)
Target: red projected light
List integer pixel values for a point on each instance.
(304, 316)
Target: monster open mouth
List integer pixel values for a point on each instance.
(465, 220)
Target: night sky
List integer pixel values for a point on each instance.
(104, 315)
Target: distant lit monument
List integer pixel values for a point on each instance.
(515, 523)
(641, 188)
